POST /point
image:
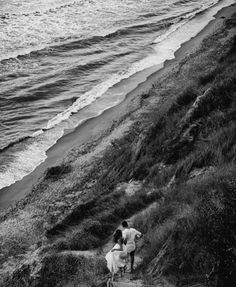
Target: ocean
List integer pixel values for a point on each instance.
(63, 62)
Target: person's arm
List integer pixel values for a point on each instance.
(124, 238)
(117, 249)
(138, 234)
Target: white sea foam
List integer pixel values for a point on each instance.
(29, 158)
(167, 48)
(186, 19)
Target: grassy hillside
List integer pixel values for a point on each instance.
(182, 154)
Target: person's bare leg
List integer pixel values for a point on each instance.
(121, 269)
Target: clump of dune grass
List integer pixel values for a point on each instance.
(71, 270)
(188, 95)
(62, 270)
(193, 242)
(55, 172)
(100, 222)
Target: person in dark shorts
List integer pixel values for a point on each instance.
(130, 235)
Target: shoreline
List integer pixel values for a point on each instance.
(96, 128)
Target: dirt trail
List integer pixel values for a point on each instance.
(127, 279)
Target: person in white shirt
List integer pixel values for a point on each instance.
(130, 235)
(116, 257)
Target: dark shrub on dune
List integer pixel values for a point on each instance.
(188, 95)
(55, 172)
(71, 271)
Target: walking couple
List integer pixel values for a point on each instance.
(124, 247)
